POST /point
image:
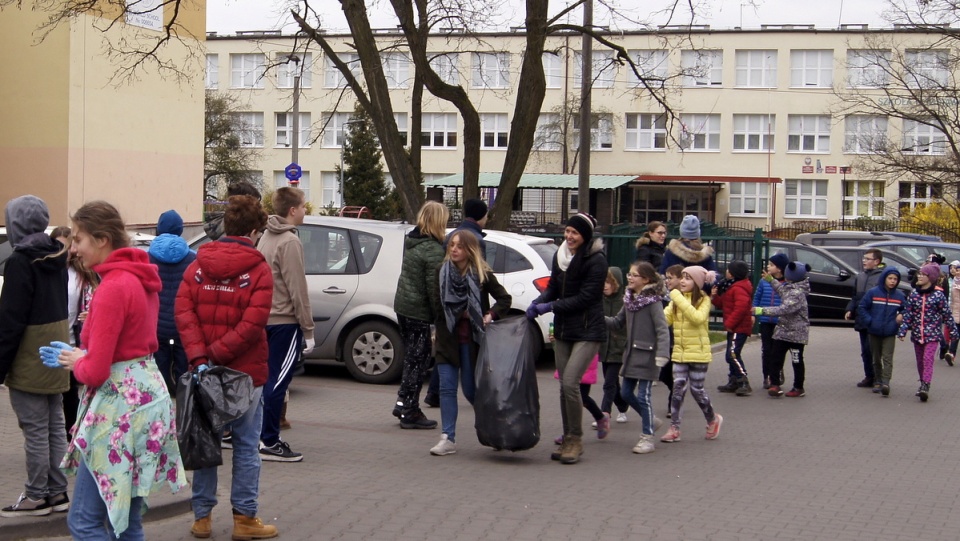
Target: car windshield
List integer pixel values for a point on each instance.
(545, 251)
(918, 254)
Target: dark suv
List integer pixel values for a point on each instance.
(831, 286)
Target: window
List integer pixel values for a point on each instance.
(702, 68)
(401, 120)
(700, 132)
(863, 198)
(646, 131)
(864, 134)
(549, 136)
(396, 68)
(603, 69)
(285, 130)
(805, 199)
(332, 78)
(757, 69)
(671, 205)
(808, 133)
(494, 128)
(213, 72)
(246, 70)
(754, 132)
(867, 68)
(250, 127)
(749, 199)
(333, 126)
(926, 68)
(811, 68)
(327, 250)
(447, 67)
(438, 130)
(491, 70)
(652, 65)
(288, 69)
(920, 138)
(553, 69)
(280, 181)
(917, 194)
(818, 263)
(601, 132)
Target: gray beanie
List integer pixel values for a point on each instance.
(26, 215)
(690, 227)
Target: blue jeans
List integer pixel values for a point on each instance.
(87, 518)
(448, 390)
(245, 432)
(640, 401)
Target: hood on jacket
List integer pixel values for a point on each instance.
(136, 262)
(43, 251)
(658, 290)
(170, 222)
(645, 240)
(887, 272)
(618, 274)
(169, 248)
(802, 285)
(277, 225)
(26, 215)
(595, 246)
(688, 254)
(228, 257)
(415, 237)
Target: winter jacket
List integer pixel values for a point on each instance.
(764, 297)
(736, 305)
(955, 299)
(418, 287)
(172, 256)
(880, 306)
(223, 307)
(679, 252)
(577, 295)
(33, 313)
(470, 225)
(793, 324)
(122, 321)
(611, 351)
(447, 345)
(866, 280)
(650, 251)
(647, 336)
(691, 337)
(925, 316)
(283, 251)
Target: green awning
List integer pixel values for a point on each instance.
(539, 180)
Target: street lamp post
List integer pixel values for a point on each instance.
(343, 143)
(295, 138)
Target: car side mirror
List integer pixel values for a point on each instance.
(843, 275)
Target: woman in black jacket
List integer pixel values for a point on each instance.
(651, 245)
(575, 296)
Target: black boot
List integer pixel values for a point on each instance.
(730, 387)
(924, 392)
(743, 387)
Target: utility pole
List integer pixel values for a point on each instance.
(586, 84)
(295, 138)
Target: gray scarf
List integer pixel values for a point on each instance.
(459, 293)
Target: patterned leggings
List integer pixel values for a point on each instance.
(926, 353)
(416, 342)
(692, 376)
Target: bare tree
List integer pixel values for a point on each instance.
(226, 157)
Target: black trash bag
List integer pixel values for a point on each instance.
(206, 401)
(226, 394)
(507, 402)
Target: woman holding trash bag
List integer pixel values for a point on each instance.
(466, 285)
(575, 296)
(221, 312)
(124, 443)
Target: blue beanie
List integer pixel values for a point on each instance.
(796, 271)
(170, 222)
(690, 227)
(780, 260)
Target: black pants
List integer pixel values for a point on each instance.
(611, 389)
(735, 342)
(588, 403)
(416, 343)
(666, 373)
(780, 351)
(71, 403)
(766, 350)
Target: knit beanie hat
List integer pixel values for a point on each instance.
(26, 215)
(955, 263)
(796, 271)
(780, 260)
(932, 270)
(700, 275)
(584, 224)
(474, 209)
(170, 222)
(738, 269)
(690, 227)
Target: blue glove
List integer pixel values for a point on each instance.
(532, 311)
(61, 345)
(50, 356)
(202, 368)
(544, 307)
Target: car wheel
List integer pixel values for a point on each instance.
(373, 353)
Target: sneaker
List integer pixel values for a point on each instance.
(645, 445)
(949, 358)
(865, 382)
(672, 435)
(622, 417)
(27, 507)
(775, 391)
(924, 392)
(279, 452)
(766, 382)
(885, 389)
(657, 423)
(713, 427)
(444, 447)
(417, 420)
(603, 426)
(59, 502)
(398, 411)
(593, 425)
(431, 400)
(796, 393)
(669, 415)
(227, 442)
(876, 387)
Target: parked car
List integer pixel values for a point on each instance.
(857, 238)
(831, 286)
(917, 251)
(853, 256)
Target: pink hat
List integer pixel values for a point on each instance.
(932, 270)
(700, 275)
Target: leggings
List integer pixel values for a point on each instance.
(590, 404)
(925, 356)
(611, 389)
(692, 376)
(416, 341)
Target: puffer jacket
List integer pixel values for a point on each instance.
(612, 350)
(765, 297)
(735, 303)
(925, 316)
(650, 251)
(679, 252)
(577, 295)
(223, 306)
(691, 336)
(793, 324)
(418, 287)
(955, 298)
(647, 335)
(172, 256)
(880, 306)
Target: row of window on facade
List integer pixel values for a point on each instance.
(863, 134)
(754, 68)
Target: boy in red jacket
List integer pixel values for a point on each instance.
(734, 295)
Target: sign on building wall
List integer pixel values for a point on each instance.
(145, 14)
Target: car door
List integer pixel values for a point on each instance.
(829, 293)
(331, 266)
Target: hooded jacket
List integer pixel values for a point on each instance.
(679, 252)
(172, 256)
(691, 336)
(577, 295)
(879, 306)
(650, 251)
(793, 323)
(418, 287)
(283, 251)
(611, 351)
(765, 296)
(736, 303)
(925, 315)
(122, 321)
(223, 307)
(647, 335)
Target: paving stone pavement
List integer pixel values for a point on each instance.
(841, 463)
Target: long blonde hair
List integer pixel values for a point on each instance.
(432, 219)
(475, 260)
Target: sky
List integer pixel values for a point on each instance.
(229, 16)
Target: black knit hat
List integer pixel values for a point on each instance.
(584, 224)
(738, 269)
(475, 209)
(780, 260)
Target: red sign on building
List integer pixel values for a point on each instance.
(808, 169)
(830, 169)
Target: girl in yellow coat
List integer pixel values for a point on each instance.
(688, 313)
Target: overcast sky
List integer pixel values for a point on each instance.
(229, 16)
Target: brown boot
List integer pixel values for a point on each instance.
(571, 455)
(284, 423)
(560, 450)
(245, 528)
(201, 527)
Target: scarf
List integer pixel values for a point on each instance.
(633, 302)
(460, 293)
(564, 256)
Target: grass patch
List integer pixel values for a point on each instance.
(717, 337)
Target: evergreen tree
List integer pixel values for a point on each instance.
(363, 181)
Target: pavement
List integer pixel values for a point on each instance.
(841, 463)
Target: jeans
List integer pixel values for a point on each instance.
(245, 432)
(87, 518)
(448, 390)
(40, 417)
(640, 401)
(572, 360)
(866, 356)
(171, 361)
(284, 342)
(611, 389)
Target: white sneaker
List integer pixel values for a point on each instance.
(444, 447)
(657, 423)
(594, 424)
(645, 445)
(622, 417)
